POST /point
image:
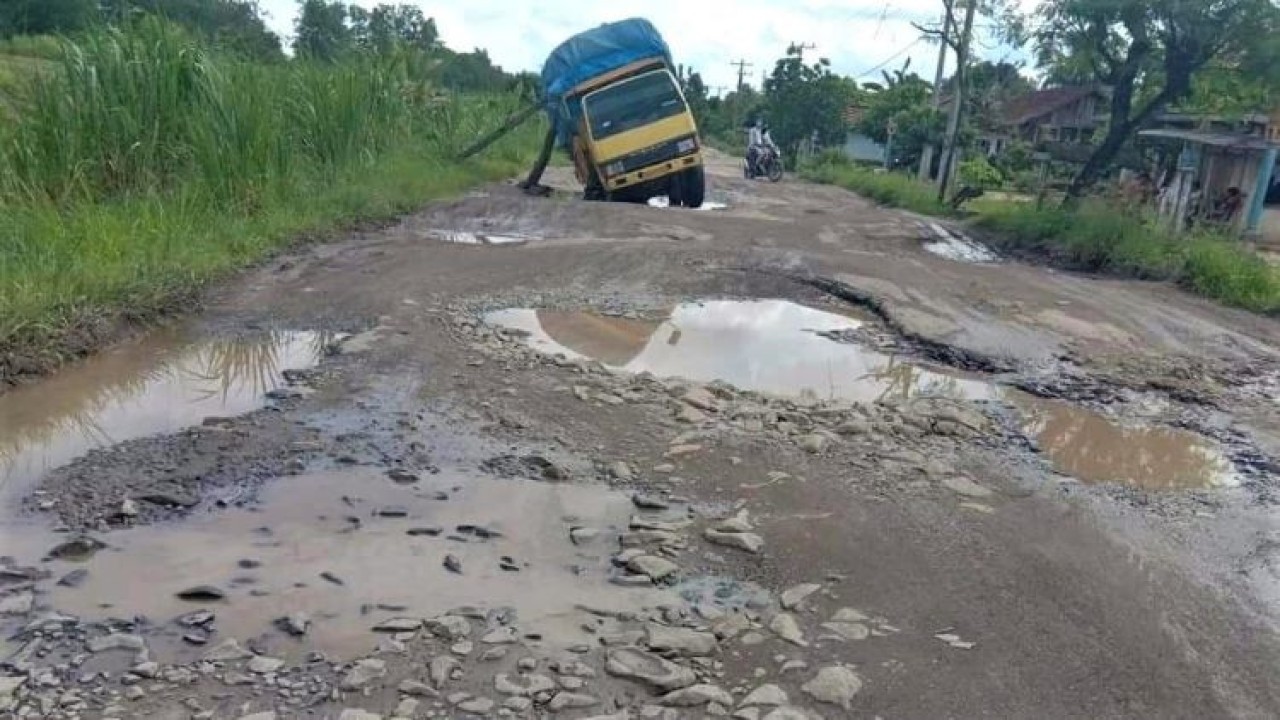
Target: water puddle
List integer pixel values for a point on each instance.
(468, 238)
(159, 384)
(662, 201)
(1096, 449)
(769, 346)
(352, 549)
(958, 247)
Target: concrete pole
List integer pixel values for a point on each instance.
(926, 159)
(946, 170)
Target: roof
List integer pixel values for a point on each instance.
(1233, 141)
(1042, 102)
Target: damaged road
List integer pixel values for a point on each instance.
(544, 458)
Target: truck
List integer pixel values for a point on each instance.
(616, 106)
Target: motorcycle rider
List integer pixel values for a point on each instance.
(759, 141)
(755, 141)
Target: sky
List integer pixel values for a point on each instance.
(860, 37)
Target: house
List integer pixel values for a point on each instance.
(1061, 114)
(858, 146)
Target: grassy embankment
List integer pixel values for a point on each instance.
(1095, 237)
(137, 167)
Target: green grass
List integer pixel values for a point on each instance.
(1094, 237)
(141, 167)
(888, 188)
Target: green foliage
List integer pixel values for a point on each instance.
(888, 188)
(147, 165)
(45, 17)
(232, 25)
(904, 103)
(978, 173)
(321, 31)
(802, 99)
(1099, 238)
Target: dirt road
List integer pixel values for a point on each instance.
(791, 456)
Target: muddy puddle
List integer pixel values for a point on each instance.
(952, 246)
(352, 549)
(1096, 449)
(768, 346)
(158, 384)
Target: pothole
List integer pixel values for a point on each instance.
(960, 248)
(769, 346)
(158, 385)
(1096, 449)
(355, 548)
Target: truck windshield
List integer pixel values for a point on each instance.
(633, 103)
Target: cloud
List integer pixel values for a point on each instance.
(856, 35)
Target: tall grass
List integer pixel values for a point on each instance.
(142, 165)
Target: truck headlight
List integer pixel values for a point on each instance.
(686, 145)
(614, 168)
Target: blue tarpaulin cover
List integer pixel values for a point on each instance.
(595, 52)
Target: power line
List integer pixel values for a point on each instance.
(890, 59)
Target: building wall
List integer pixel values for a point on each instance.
(860, 148)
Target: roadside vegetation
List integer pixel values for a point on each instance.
(142, 162)
(1094, 236)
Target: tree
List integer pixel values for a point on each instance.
(45, 17)
(234, 25)
(321, 30)
(1148, 52)
(801, 99)
(902, 102)
(387, 26)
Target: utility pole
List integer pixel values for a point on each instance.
(926, 159)
(743, 66)
(949, 150)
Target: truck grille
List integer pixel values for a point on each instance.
(656, 154)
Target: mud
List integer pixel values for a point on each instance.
(954, 246)
(1095, 449)
(800, 532)
(351, 549)
(158, 384)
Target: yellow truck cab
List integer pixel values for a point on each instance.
(619, 110)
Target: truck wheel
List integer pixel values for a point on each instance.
(692, 187)
(594, 191)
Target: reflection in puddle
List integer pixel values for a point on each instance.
(769, 346)
(467, 238)
(269, 560)
(958, 247)
(159, 384)
(1095, 449)
(662, 201)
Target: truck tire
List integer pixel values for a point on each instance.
(689, 187)
(594, 190)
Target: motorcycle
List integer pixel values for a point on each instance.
(768, 164)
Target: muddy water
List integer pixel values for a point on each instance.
(770, 346)
(159, 384)
(330, 523)
(1096, 449)
(951, 246)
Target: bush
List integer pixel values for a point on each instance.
(978, 173)
(1097, 238)
(888, 188)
